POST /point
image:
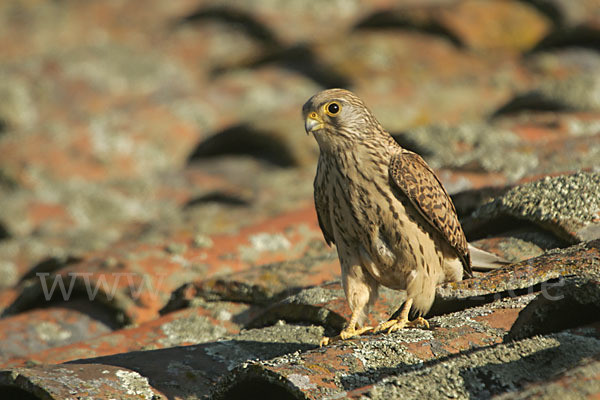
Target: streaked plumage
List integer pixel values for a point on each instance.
(389, 216)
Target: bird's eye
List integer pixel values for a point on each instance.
(332, 108)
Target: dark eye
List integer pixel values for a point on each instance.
(333, 108)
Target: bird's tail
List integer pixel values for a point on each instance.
(482, 260)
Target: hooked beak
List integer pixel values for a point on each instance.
(313, 123)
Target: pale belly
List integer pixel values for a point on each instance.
(394, 257)
(394, 264)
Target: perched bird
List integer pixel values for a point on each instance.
(392, 221)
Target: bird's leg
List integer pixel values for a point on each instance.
(402, 321)
(361, 291)
(348, 332)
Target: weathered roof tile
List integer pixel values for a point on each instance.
(137, 278)
(566, 205)
(72, 381)
(339, 369)
(544, 271)
(37, 330)
(189, 326)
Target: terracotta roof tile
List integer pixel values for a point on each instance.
(189, 326)
(41, 329)
(137, 279)
(566, 206)
(343, 367)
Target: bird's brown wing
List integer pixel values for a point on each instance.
(328, 237)
(322, 206)
(411, 174)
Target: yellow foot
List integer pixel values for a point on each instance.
(344, 335)
(394, 325)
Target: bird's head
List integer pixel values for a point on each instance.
(338, 116)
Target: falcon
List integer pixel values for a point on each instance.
(387, 213)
